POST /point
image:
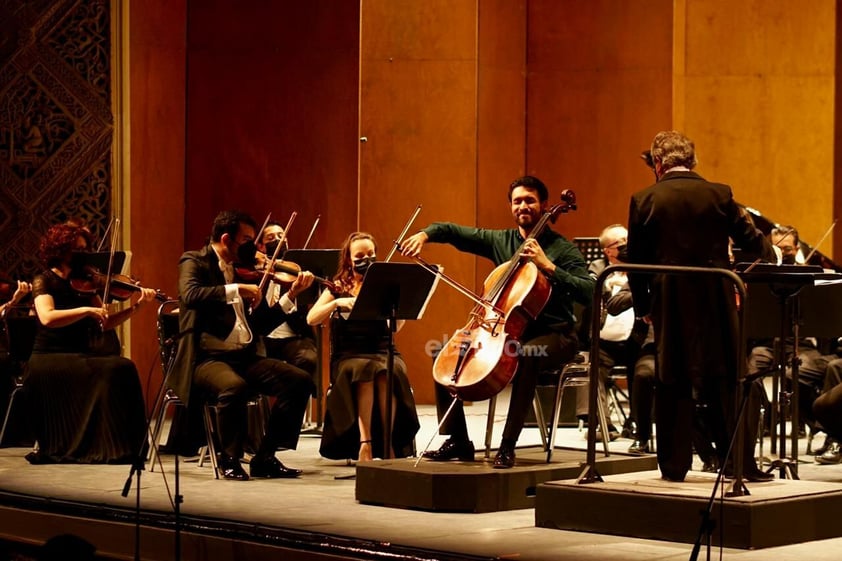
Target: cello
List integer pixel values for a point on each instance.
(478, 361)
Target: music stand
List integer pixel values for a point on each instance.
(393, 291)
(785, 282)
(322, 263)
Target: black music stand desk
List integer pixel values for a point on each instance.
(801, 312)
(393, 291)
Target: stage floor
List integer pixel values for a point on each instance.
(316, 515)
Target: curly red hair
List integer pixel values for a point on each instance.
(59, 242)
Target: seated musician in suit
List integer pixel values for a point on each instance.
(625, 340)
(217, 350)
(359, 352)
(553, 332)
(814, 365)
(290, 338)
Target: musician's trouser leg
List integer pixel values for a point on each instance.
(543, 352)
(674, 409)
(455, 424)
(751, 421)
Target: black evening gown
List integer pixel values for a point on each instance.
(359, 351)
(83, 407)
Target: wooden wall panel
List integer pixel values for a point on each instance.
(598, 89)
(272, 121)
(759, 103)
(501, 115)
(418, 111)
(155, 191)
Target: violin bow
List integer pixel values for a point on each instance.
(111, 253)
(105, 234)
(270, 266)
(312, 230)
(399, 241)
(265, 223)
(432, 269)
(815, 247)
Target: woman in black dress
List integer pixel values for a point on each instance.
(85, 407)
(358, 375)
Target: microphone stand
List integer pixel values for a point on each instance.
(738, 489)
(139, 461)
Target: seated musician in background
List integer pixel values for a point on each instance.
(358, 384)
(20, 292)
(813, 364)
(83, 407)
(553, 332)
(290, 339)
(217, 350)
(787, 245)
(625, 340)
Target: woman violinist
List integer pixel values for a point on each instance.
(359, 351)
(549, 340)
(84, 407)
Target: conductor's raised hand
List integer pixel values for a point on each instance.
(411, 246)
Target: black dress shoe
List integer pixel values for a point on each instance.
(639, 448)
(271, 468)
(231, 468)
(751, 473)
(505, 458)
(833, 454)
(452, 450)
(756, 475)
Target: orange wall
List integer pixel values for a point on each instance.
(756, 93)
(272, 94)
(156, 161)
(598, 90)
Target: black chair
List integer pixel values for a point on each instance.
(20, 329)
(168, 330)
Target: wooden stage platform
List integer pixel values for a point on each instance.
(774, 513)
(318, 516)
(477, 486)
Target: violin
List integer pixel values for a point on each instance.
(285, 274)
(90, 281)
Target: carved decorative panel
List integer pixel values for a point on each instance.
(56, 123)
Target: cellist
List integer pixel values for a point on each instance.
(549, 340)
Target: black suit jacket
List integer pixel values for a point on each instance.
(684, 220)
(204, 309)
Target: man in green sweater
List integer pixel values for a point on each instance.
(549, 340)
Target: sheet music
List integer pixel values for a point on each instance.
(829, 281)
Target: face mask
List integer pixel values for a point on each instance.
(246, 253)
(623, 253)
(271, 247)
(362, 265)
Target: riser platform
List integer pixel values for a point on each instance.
(477, 486)
(643, 505)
